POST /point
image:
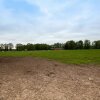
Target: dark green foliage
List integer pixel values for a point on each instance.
(79, 44)
(70, 45)
(19, 47)
(6, 47)
(96, 44)
(42, 47)
(87, 44)
(30, 47)
(58, 45)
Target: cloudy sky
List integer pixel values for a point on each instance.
(49, 21)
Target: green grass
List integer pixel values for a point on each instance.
(65, 56)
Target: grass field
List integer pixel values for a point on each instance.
(65, 56)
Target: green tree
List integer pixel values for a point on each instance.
(87, 44)
(58, 45)
(70, 45)
(79, 44)
(19, 47)
(10, 46)
(96, 44)
(30, 47)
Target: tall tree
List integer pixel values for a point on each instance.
(19, 47)
(96, 44)
(10, 46)
(87, 44)
(6, 47)
(79, 44)
(58, 45)
(70, 45)
(30, 47)
(2, 46)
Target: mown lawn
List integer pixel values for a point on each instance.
(65, 56)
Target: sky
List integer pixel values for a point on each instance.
(49, 21)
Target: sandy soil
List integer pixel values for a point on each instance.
(40, 79)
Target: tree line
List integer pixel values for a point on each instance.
(6, 47)
(30, 47)
(69, 45)
(87, 44)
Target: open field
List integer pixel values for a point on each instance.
(40, 75)
(65, 56)
(28, 78)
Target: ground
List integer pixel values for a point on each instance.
(27, 78)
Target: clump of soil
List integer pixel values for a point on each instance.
(39, 79)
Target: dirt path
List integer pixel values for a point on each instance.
(40, 79)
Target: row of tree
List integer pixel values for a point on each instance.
(6, 47)
(69, 45)
(82, 45)
(30, 47)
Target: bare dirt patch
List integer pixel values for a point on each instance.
(40, 79)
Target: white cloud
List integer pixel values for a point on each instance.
(54, 25)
